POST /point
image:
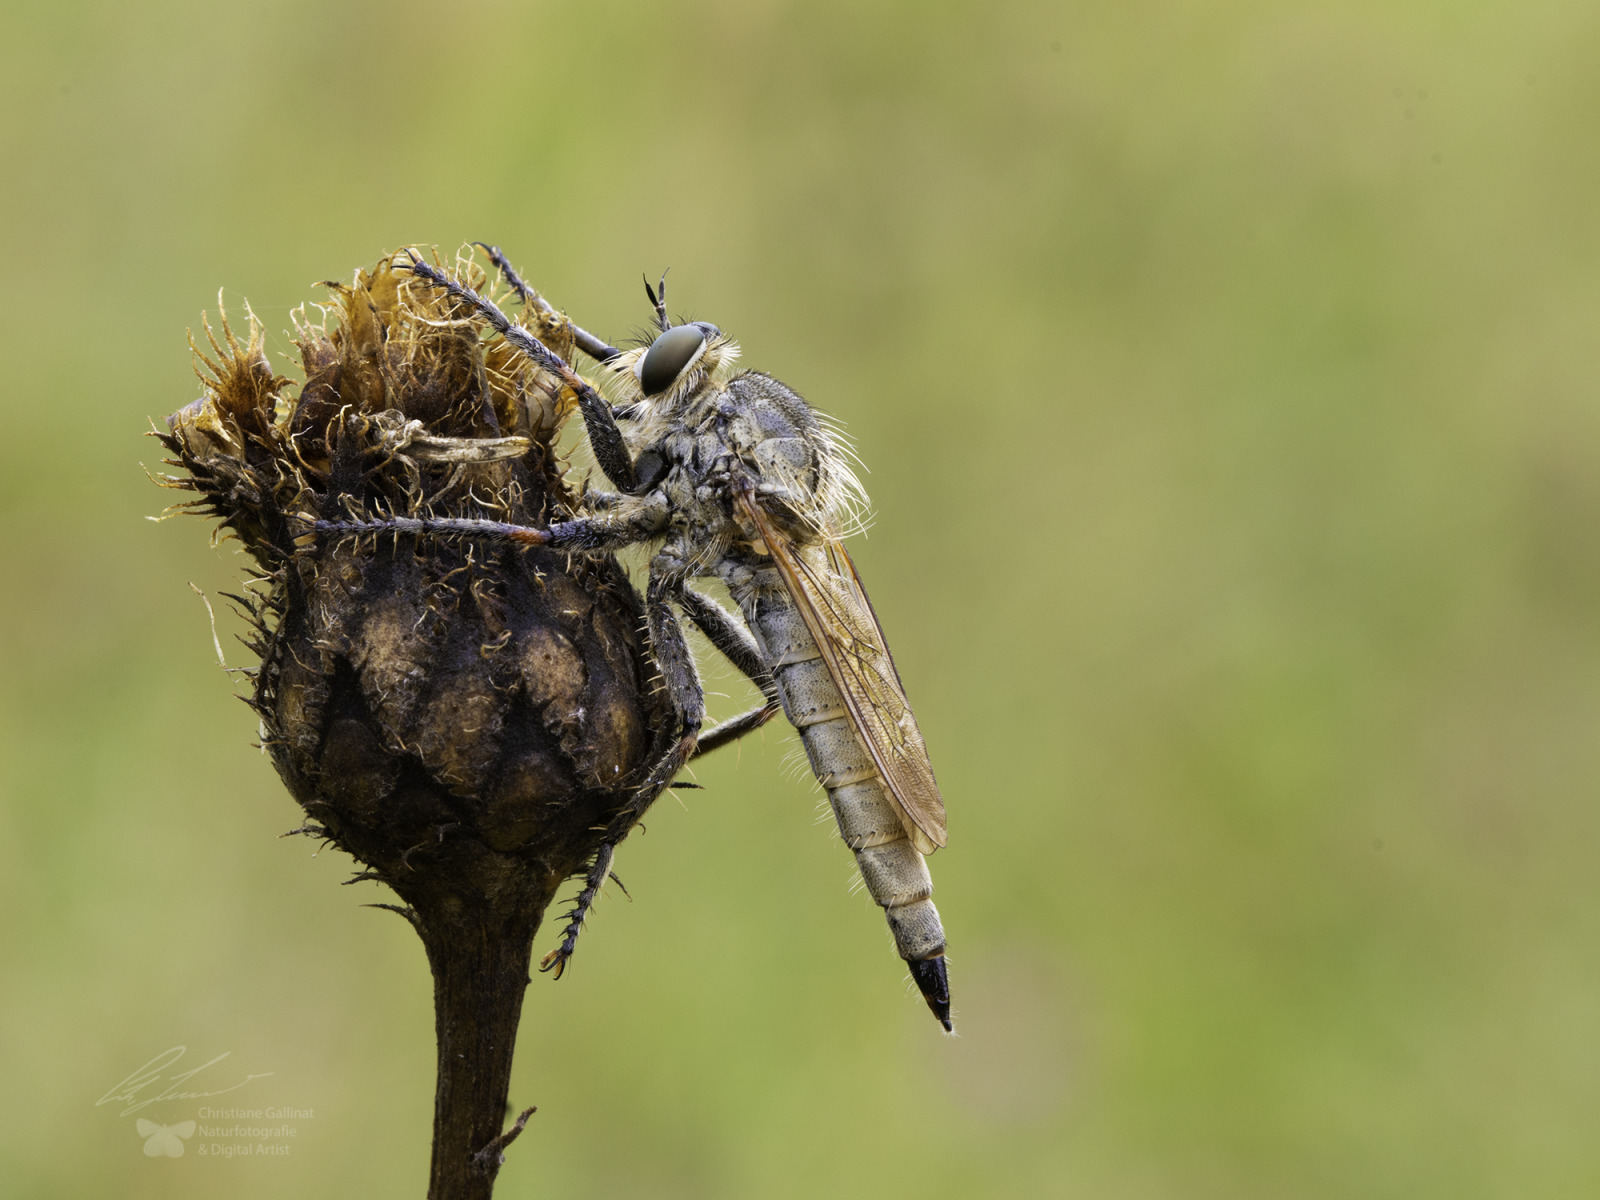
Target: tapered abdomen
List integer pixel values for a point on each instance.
(895, 873)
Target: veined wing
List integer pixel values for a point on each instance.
(829, 594)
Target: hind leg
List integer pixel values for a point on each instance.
(682, 681)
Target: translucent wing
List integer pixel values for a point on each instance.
(829, 594)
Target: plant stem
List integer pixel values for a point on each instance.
(479, 951)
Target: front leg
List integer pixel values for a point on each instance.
(587, 342)
(626, 523)
(677, 668)
(610, 450)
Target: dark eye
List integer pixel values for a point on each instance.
(668, 355)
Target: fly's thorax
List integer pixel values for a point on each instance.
(775, 434)
(791, 447)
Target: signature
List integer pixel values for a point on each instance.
(132, 1090)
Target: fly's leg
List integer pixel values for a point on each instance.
(730, 637)
(623, 525)
(610, 450)
(587, 342)
(677, 668)
(509, 273)
(599, 872)
(682, 680)
(734, 728)
(739, 648)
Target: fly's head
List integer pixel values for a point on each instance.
(682, 362)
(666, 376)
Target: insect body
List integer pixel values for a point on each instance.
(730, 474)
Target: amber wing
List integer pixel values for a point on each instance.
(824, 585)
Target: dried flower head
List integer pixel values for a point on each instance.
(461, 718)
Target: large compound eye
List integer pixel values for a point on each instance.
(668, 356)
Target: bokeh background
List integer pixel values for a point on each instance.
(1227, 376)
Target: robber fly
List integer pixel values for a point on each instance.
(731, 474)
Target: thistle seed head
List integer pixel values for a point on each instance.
(463, 718)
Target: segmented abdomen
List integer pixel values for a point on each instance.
(896, 875)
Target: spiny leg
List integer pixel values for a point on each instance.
(730, 637)
(677, 668)
(599, 871)
(678, 671)
(736, 645)
(586, 341)
(610, 450)
(508, 272)
(726, 732)
(626, 524)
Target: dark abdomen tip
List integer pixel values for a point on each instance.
(933, 981)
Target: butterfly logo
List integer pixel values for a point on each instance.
(164, 1139)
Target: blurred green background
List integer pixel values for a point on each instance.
(1225, 372)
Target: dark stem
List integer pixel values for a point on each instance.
(479, 952)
